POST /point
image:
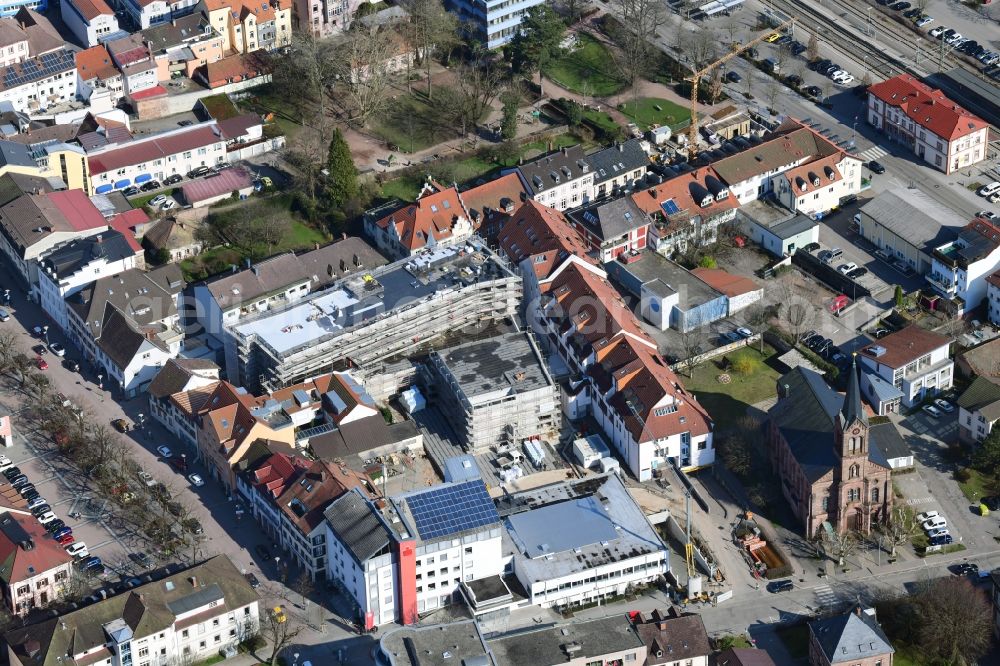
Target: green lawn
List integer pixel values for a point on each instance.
(602, 120)
(726, 403)
(648, 111)
(412, 125)
(977, 487)
(796, 640)
(588, 69)
(536, 148)
(406, 188)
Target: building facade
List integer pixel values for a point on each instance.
(915, 361)
(563, 179)
(90, 21)
(36, 569)
(936, 129)
(959, 268)
(494, 22)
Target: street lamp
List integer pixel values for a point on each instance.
(296, 660)
(100, 381)
(45, 333)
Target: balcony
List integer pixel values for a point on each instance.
(943, 284)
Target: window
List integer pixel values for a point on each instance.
(855, 469)
(875, 494)
(825, 503)
(143, 652)
(185, 633)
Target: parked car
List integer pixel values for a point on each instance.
(198, 172)
(876, 167)
(814, 91)
(11, 472)
(912, 13)
(19, 481)
(811, 247)
(168, 204)
(141, 558)
(935, 523)
(942, 540)
(222, 166)
(793, 80)
(989, 215)
(147, 479)
(857, 273)
(938, 31)
(252, 579)
(91, 563)
(844, 269)
(927, 515)
(157, 200)
(944, 405)
(964, 569)
(39, 509)
(78, 549)
(733, 77)
(40, 350)
(900, 6)
(173, 180)
(66, 539)
(130, 191)
(880, 333)
(61, 532)
(932, 411)
(165, 451)
(54, 525)
(186, 123)
(776, 586)
(989, 189)
(937, 531)
(263, 551)
(121, 425)
(30, 494)
(46, 518)
(71, 365)
(57, 349)
(745, 332)
(196, 480)
(150, 186)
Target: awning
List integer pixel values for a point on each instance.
(104, 189)
(122, 183)
(142, 178)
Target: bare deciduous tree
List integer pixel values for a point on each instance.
(364, 64)
(797, 314)
(691, 344)
(755, 317)
(279, 631)
(640, 19)
(843, 545)
(901, 526)
(432, 29)
(305, 73)
(955, 621)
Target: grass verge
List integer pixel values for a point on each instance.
(648, 111)
(589, 69)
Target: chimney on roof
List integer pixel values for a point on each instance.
(357, 260)
(857, 611)
(99, 238)
(621, 147)
(194, 581)
(322, 475)
(255, 269)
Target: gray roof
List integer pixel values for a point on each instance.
(617, 160)
(672, 637)
(179, 31)
(567, 527)
(358, 526)
(744, 657)
(883, 390)
(175, 374)
(792, 227)
(143, 297)
(982, 396)
(455, 644)
(591, 639)
(611, 219)
(509, 362)
(15, 154)
(853, 409)
(561, 166)
(109, 246)
(203, 596)
(356, 438)
(973, 91)
(852, 637)
(914, 216)
(890, 444)
(652, 266)
(120, 340)
(804, 417)
(323, 266)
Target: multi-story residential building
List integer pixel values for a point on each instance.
(68, 268)
(495, 391)
(978, 409)
(16, 6)
(186, 617)
(325, 18)
(286, 278)
(91, 21)
(852, 638)
(620, 168)
(169, 403)
(936, 129)
(127, 324)
(494, 23)
(183, 45)
(35, 84)
(32, 224)
(804, 170)
(686, 211)
(154, 157)
(561, 180)
(960, 267)
(436, 218)
(248, 26)
(914, 360)
(97, 73)
(301, 509)
(26, 34)
(146, 13)
(832, 462)
(136, 62)
(608, 640)
(36, 570)
(577, 542)
(264, 483)
(612, 227)
(369, 316)
(363, 559)
(673, 638)
(993, 297)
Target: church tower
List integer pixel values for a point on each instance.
(851, 432)
(851, 484)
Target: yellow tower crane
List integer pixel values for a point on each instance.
(695, 78)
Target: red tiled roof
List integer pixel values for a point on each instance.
(494, 195)
(149, 93)
(544, 235)
(683, 190)
(905, 346)
(126, 222)
(233, 68)
(153, 148)
(724, 282)
(78, 210)
(95, 63)
(825, 169)
(91, 9)
(20, 564)
(928, 107)
(433, 214)
(276, 472)
(306, 499)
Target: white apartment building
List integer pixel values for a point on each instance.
(69, 268)
(561, 180)
(169, 399)
(362, 558)
(495, 391)
(146, 13)
(914, 360)
(959, 268)
(35, 84)
(154, 157)
(89, 20)
(936, 129)
(804, 170)
(579, 542)
(187, 617)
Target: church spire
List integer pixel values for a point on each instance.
(853, 410)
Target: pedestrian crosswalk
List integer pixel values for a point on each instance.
(873, 153)
(825, 595)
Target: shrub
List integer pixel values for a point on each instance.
(707, 262)
(962, 475)
(744, 364)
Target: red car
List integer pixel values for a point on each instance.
(40, 362)
(65, 540)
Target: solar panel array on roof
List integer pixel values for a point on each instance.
(34, 69)
(670, 207)
(452, 508)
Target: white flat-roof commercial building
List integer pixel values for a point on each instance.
(370, 316)
(578, 542)
(496, 390)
